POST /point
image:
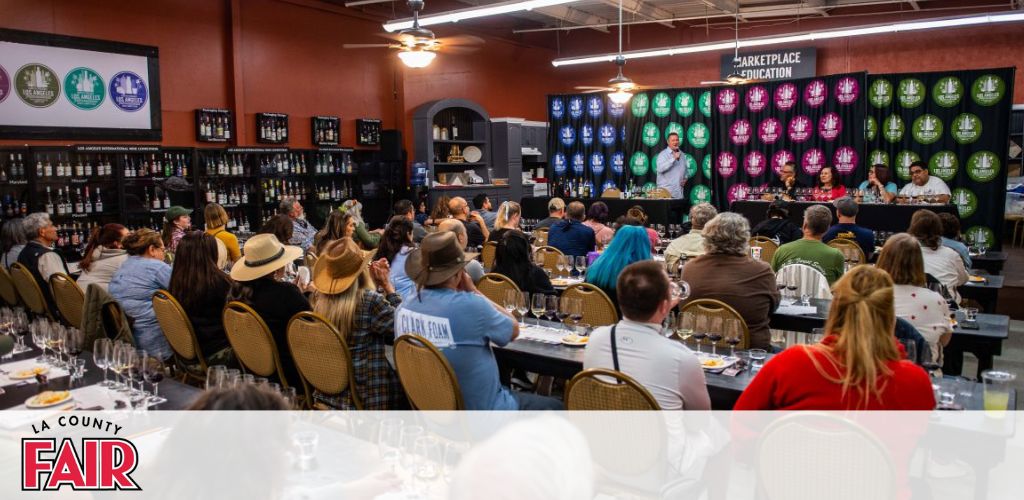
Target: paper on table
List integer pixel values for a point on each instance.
(795, 310)
(26, 364)
(90, 396)
(540, 334)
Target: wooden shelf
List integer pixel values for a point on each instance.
(465, 164)
(458, 141)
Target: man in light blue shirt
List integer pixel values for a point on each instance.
(671, 167)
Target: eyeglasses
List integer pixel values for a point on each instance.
(915, 172)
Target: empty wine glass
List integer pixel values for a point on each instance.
(581, 265)
(537, 306)
(509, 301)
(523, 306)
(101, 350)
(560, 264)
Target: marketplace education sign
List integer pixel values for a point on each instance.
(780, 64)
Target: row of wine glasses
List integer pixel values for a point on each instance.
(567, 310)
(14, 322)
(63, 342)
(687, 325)
(788, 289)
(410, 451)
(566, 265)
(130, 365)
(222, 377)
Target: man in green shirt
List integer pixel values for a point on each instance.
(809, 250)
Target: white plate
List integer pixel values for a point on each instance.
(30, 404)
(727, 361)
(472, 154)
(29, 374)
(567, 340)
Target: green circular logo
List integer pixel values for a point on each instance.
(691, 165)
(988, 90)
(662, 105)
(650, 135)
(705, 103)
(911, 92)
(705, 166)
(84, 88)
(903, 160)
(893, 128)
(674, 127)
(966, 128)
(944, 165)
(639, 164)
(37, 85)
(979, 235)
(870, 128)
(684, 104)
(698, 135)
(700, 194)
(965, 200)
(879, 157)
(639, 104)
(948, 91)
(927, 128)
(983, 166)
(650, 186)
(880, 93)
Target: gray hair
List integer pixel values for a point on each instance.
(287, 205)
(453, 225)
(701, 213)
(12, 234)
(727, 233)
(33, 223)
(817, 219)
(846, 207)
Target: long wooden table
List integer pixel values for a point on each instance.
(986, 293)
(658, 211)
(879, 217)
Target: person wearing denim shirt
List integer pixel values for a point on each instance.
(142, 274)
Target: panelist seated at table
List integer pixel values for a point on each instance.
(635, 346)
(828, 185)
(924, 184)
(570, 235)
(671, 167)
(786, 181)
(878, 188)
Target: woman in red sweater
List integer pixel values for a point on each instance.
(860, 366)
(828, 185)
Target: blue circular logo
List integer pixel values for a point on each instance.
(576, 107)
(595, 106)
(587, 135)
(559, 161)
(128, 91)
(608, 185)
(568, 135)
(618, 162)
(557, 108)
(616, 109)
(577, 163)
(607, 133)
(597, 163)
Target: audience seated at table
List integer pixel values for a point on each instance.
(38, 254)
(828, 184)
(777, 225)
(726, 272)
(809, 250)
(952, 238)
(512, 259)
(462, 323)
(629, 245)
(848, 229)
(347, 297)
(12, 241)
(135, 282)
(474, 268)
(103, 256)
(878, 188)
(556, 212)
(691, 244)
(177, 221)
(440, 211)
(925, 309)
(395, 246)
(666, 367)
(339, 225)
(482, 206)
(597, 219)
(942, 263)
(216, 225)
(570, 235)
(202, 290)
(507, 219)
(476, 228)
(636, 216)
(859, 365)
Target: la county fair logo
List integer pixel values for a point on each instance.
(91, 464)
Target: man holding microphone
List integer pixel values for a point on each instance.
(671, 167)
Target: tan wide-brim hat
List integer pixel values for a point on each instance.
(264, 254)
(438, 258)
(339, 266)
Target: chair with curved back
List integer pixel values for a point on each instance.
(29, 291)
(322, 358)
(612, 193)
(719, 309)
(809, 280)
(494, 286)
(487, 254)
(661, 193)
(252, 342)
(8, 292)
(540, 237)
(69, 297)
(591, 390)
(850, 249)
(181, 335)
(767, 246)
(427, 377)
(551, 255)
(115, 321)
(598, 309)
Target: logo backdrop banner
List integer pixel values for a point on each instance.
(957, 122)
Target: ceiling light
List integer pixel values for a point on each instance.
(416, 58)
(620, 96)
(474, 12)
(800, 37)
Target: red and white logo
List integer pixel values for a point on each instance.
(48, 464)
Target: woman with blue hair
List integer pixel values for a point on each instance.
(630, 244)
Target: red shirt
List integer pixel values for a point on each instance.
(833, 194)
(790, 381)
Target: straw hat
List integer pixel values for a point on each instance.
(264, 254)
(338, 266)
(437, 259)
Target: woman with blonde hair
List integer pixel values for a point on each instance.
(507, 219)
(858, 366)
(216, 225)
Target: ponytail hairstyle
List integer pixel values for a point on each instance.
(397, 235)
(506, 211)
(105, 236)
(863, 318)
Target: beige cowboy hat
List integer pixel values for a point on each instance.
(437, 259)
(264, 254)
(339, 266)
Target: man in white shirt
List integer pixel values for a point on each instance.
(671, 167)
(923, 184)
(665, 367)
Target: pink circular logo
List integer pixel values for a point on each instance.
(785, 96)
(769, 130)
(757, 98)
(737, 192)
(847, 90)
(800, 128)
(726, 164)
(830, 126)
(780, 158)
(813, 160)
(845, 160)
(754, 163)
(739, 132)
(815, 93)
(727, 100)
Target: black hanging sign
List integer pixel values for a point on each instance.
(779, 64)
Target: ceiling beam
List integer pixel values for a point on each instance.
(730, 7)
(643, 10)
(562, 13)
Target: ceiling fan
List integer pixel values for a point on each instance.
(418, 46)
(620, 88)
(733, 78)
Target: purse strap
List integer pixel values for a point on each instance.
(615, 350)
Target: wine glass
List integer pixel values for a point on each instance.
(564, 311)
(791, 287)
(509, 300)
(575, 311)
(714, 333)
(700, 330)
(581, 265)
(560, 264)
(101, 356)
(537, 306)
(551, 307)
(733, 335)
(153, 372)
(685, 325)
(389, 444)
(539, 260)
(216, 375)
(75, 341)
(680, 290)
(523, 306)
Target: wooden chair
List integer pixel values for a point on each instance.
(661, 193)
(427, 377)
(252, 342)
(551, 255)
(69, 297)
(612, 193)
(767, 246)
(540, 237)
(322, 358)
(181, 335)
(494, 286)
(590, 390)
(598, 309)
(850, 249)
(8, 292)
(487, 254)
(29, 291)
(719, 309)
